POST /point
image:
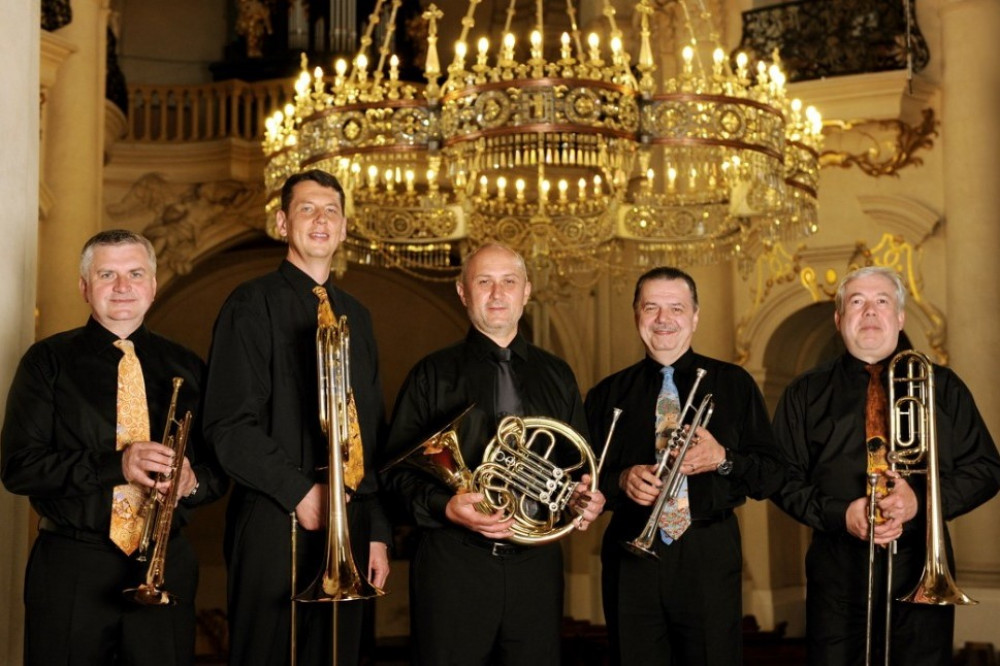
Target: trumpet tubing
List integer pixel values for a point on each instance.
(681, 440)
(159, 511)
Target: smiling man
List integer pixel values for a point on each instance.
(76, 441)
(683, 606)
(825, 429)
(262, 417)
(477, 599)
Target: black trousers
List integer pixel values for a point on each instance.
(258, 556)
(837, 601)
(474, 605)
(76, 612)
(684, 608)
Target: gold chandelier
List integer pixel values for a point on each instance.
(567, 151)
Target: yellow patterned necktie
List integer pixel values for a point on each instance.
(132, 426)
(354, 457)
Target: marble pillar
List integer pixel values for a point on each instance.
(19, 49)
(73, 173)
(971, 98)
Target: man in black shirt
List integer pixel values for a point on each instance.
(476, 598)
(60, 446)
(683, 607)
(262, 418)
(820, 425)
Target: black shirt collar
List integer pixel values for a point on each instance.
(302, 284)
(300, 280)
(100, 338)
(856, 365)
(681, 365)
(484, 347)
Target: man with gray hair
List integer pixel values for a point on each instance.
(832, 426)
(77, 440)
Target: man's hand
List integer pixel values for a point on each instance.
(187, 481)
(378, 563)
(704, 454)
(901, 504)
(857, 524)
(142, 461)
(461, 510)
(641, 484)
(311, 509)
(588, 504)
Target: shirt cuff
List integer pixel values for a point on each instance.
(437, 503)
(109, 468)
(835, 515)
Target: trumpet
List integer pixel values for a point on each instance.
(157, 511)
(912, 443)
(681, 440)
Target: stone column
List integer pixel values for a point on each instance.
(74, 162)
(971, 140)
(19, 49)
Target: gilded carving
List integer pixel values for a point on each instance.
(882, 158)
(776, 267)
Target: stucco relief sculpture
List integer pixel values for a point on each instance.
(189, 219)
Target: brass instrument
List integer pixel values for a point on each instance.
(913, 441)
(681, 439)
(339, 579)
(519, 475)
(158, 511)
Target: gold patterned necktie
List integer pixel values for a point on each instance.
(354, 457)
(132, 426)
(675, 517)
(876, 423)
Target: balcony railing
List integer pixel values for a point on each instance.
(820, 38)
(222, 110)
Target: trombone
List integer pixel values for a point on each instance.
(157, 511)
(339, 579)
(680, 441)
(913, 441)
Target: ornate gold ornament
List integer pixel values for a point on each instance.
(881, 157)
(776, 268)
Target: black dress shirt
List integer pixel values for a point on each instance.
(820, 427)
(739, 423)
(262, 396)
(444, 383)
(59, 444)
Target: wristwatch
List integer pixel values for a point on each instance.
(726, 466)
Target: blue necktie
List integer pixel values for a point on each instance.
(676, 515)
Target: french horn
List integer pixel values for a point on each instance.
(530, 470)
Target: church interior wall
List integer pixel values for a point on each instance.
(597, 335)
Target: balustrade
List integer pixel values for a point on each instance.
(222, 110)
